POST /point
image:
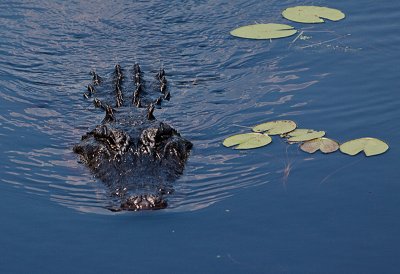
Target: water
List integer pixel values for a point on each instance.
(271, 210)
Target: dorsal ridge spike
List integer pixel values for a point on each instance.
(150, 111)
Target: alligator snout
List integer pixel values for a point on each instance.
(144, 202)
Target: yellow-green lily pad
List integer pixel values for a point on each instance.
(264, 31)
(247, 140)
(370, 146)
(302, 135)
(312, 14)
(323, 144)
(275, 127)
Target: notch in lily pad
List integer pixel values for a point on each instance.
(275, 127)
(247, 140)
(370, 146)
(264, 31)
(323, 144)
(302, 135)
(312, 14)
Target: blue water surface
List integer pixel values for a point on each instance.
(271, 210)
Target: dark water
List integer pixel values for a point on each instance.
(271, 210)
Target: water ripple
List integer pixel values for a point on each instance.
(220, 86)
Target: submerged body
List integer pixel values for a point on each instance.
(135, 155)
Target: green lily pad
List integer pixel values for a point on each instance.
(370, 146)
(312, 14)
(264, 31)
(275, 127)
(325, 145)
(247, 140)
(302, 135)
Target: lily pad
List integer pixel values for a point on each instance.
(247, 140)
(302, 135)
(275, 127)
(264, 31)
(312, 14)
(325, 145)
(370, 146)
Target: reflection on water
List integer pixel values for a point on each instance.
(219, 86)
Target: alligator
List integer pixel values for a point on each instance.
(130, 151)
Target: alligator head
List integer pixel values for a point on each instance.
(135, 155)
